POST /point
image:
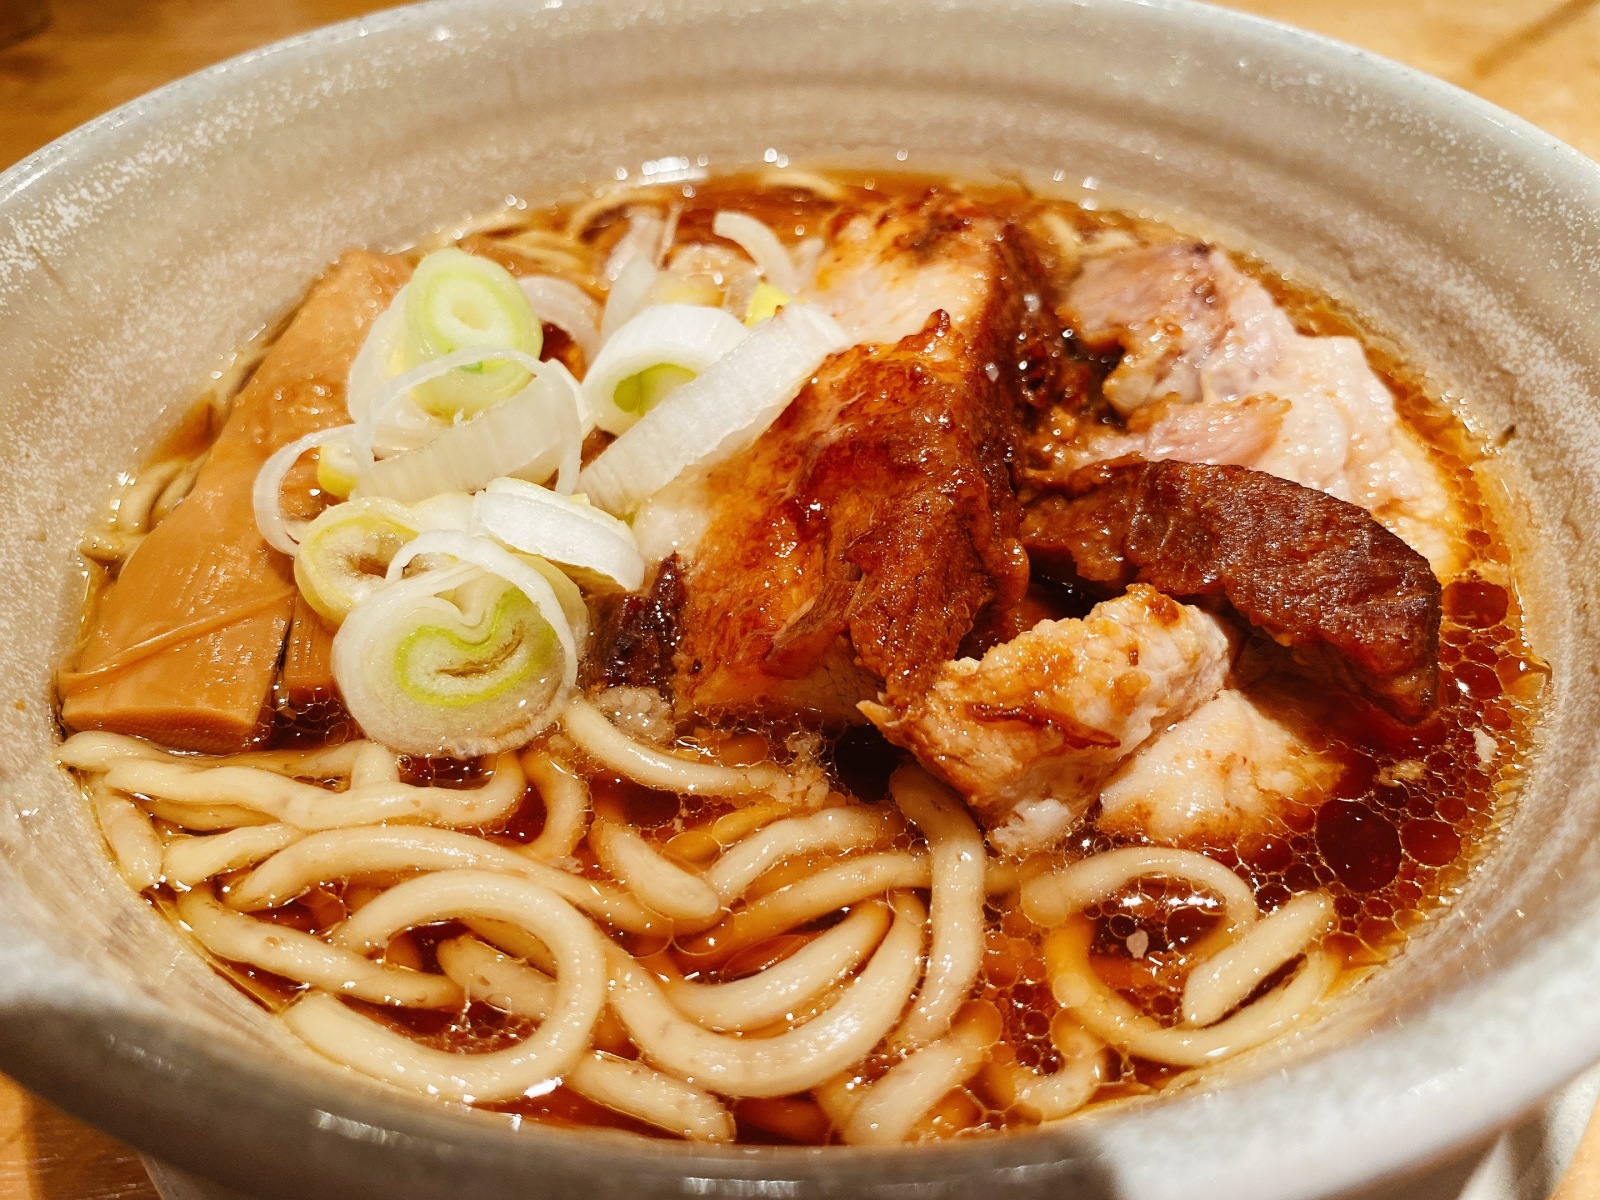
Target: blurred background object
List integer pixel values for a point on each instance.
(22, 18)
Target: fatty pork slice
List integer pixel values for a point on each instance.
(185, 645)
(1352, 602)
(1227, 769)
(1212, 370)
(1030, 732)
(850, 550)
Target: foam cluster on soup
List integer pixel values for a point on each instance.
(802, 658)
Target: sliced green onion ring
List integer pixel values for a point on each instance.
(345, 553)
(378, 360)
(458, 301)
(450, 512)
(593, 546)
(757, 239)
(266, 494)
(645, 239)
(719, 413)
(629, 293)
(764, 304)
(536, 433)
(556, 596)
(462, 660)
(403, 422)
(566, 306)
(338, 472)
(632, 266)
(627, 378)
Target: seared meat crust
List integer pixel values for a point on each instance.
(636, 635)
(1212, 369)
(1316, 574)
(879, 508)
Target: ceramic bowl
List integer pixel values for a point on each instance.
(136, 252)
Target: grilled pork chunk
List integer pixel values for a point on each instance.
(1352, 601)
(851, 549)
(1213, 370)
(636, 635)
(1029, 732)
(1226, 769)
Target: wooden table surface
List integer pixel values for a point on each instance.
(1539, 58)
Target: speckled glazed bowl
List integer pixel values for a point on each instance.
(136, 252)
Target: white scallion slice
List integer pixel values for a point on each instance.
(672, 287)
(457, 301)
(266, 494)
(378, 360)
(595, 548)
(566, 306)
(344, 553)
(661, 349)
(524, 572)
(406, 422)
(399, 422)
(629, 293)
(764, 304)
(632, 267)
(757, 240)
(450, 662)
(338, 469)
(719, 413)
(448, 511)
(471, 659)
(536, 433)
(643, 240)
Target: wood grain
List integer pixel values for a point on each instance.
(1443, 37)
(97, 54)
(1539, 58)
(47, 1155)
(1554, 81)
(1582, 1180)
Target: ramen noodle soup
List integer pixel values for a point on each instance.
(802, 658)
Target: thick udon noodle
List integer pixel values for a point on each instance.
(892, 972)
(842, 947)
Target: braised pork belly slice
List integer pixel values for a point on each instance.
(1213, 370)
(850, 550)
(1227, 769)
(1029, 732)
(1352, 602)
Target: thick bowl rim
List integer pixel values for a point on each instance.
(146, 1054)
